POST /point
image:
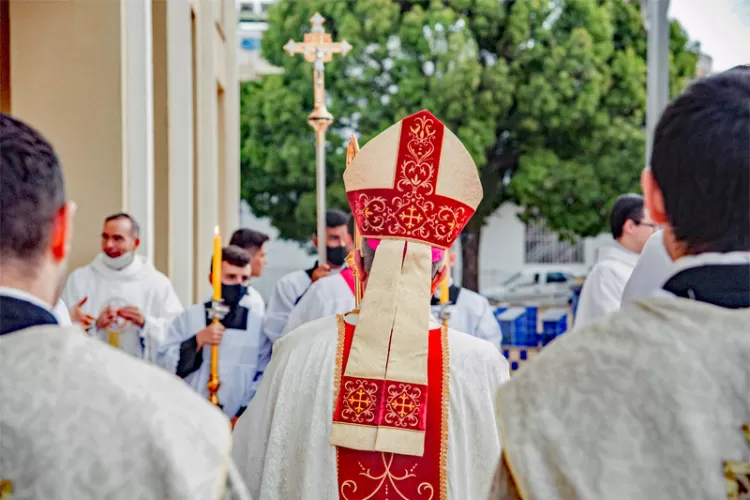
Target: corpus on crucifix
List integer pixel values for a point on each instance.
(318, 48)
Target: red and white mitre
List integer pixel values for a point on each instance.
(413, 187)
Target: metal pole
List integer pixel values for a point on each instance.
(320, 189)
(657, 79)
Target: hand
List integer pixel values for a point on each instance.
(321, 272)
(132, 314)
(78, 316)
(212, 334)
(106, 317)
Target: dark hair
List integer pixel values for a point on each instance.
(336, 218)
(350, 226)
(627, 207)
(235, 255)
(701, 163)
(248, 239)
(135, 229)
(32, 191)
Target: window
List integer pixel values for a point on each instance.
(251, 43)
(557, 278)
(522, 279)
(544, 246)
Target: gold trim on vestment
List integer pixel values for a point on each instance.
(445, 404)
(513, 475)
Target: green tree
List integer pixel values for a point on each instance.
(548, 97)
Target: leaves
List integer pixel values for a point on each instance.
(547, 95)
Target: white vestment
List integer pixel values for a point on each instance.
(139, 285)
(472, 314)
(602, 290)
(256, 304)
(646, 404)
(652, 270)
(326, 297)
(281, 442)
(286, 294)
(80, 420)
(62, 314)
(243, 356)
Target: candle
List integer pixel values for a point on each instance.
(444, 284)
(444, 291)
(216, 269)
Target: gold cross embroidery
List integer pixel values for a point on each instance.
(363, 402)
(738, 474)
(404, 404)
(409, 218)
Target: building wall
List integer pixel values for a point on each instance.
(129, 92)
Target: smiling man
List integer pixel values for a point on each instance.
(126, 301)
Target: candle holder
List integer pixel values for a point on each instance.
(216, 313)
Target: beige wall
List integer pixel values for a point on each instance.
(66, 82)
(76, 71)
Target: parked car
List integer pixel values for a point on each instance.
(541, 286)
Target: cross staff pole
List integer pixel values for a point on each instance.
(318, 48)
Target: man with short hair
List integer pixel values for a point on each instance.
(244, 351)
(132, 302)
(254, 243)
(654, 401)
(384, 402)
(79, 420)
(631, 227)
(290, 288)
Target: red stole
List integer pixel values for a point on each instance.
(374, 475)
(348, 275)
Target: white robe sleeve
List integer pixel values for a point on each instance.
(600, 296)
(167, 354)
(310, 307)
(156, 326)
(279, 307)
(488, 327)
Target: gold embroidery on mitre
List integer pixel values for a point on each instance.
(385, 481)
(411, 213)
(737, 474)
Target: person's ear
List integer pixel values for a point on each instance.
(62, 231)
(315, 241)
(360, 265)
(211, 278)
(654, 199)
(137, 243)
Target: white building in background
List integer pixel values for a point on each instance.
(252, 16)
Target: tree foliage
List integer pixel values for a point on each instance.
(549, 97)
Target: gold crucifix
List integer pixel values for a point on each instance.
(318, 48)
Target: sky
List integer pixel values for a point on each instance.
(721, 26)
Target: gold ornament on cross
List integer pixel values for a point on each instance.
(738, 474)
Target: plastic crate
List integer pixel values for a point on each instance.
(554, 323)
(512, 324)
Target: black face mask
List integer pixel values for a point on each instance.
(336, 255)
(232, 294)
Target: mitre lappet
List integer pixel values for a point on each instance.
(412, 189)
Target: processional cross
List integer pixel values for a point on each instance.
(318, 48)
